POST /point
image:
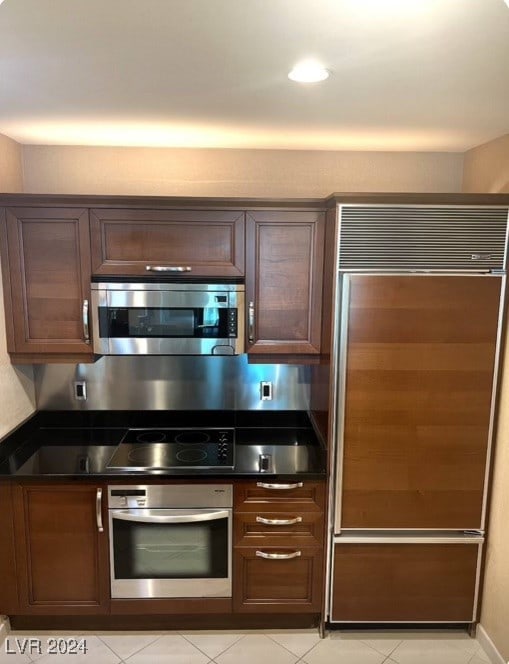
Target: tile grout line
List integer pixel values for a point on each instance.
(123, 659)
(382, 653)
(299, 657)
(219, 654)
(120, 659)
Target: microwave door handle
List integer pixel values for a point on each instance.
(171, 518)
(166, 268)
(86, 328)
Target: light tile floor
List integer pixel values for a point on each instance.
(249, 647)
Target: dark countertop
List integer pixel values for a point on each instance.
(68, 444)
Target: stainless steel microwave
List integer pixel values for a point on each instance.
(149, 318)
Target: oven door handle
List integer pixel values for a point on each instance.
(125, 515)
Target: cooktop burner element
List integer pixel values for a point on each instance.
(159, 449)
(191, 455)
(150, 437)
(192, 437)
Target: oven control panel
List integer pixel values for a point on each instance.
(167, 496)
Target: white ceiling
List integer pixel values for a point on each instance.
(406, 74)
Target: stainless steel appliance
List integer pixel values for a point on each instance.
(170, 540)
(167, 318)
(160, 449)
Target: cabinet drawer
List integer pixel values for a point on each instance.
(404, 582)
(284, 585)
(295, 496)
(204, 243)
(266, 528)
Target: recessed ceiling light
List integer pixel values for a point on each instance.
(308, 71)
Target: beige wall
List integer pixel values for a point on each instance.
(11, 173)
(495, 604)
(17, 396)
(487, 167)
(245, 173)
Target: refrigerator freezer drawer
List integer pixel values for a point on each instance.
(405, 580)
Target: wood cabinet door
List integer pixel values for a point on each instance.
(279, 585)
(46, 273)
(204, 243)
(63, 557)
(284, 281)
(420, 357)
(9, 603)
(404, 582)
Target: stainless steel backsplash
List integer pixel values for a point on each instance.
(172, 383)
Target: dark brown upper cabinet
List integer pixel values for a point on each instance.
(46, 277)
(284, 276)
(195, 243)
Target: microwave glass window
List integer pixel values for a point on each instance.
(146, 322)
(177, 551)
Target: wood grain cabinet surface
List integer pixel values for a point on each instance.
(9, 602)
(278, 547)
(404, 582)
(206, 243)
(284, 274)
(420, 360)
(62, 556)
(46, 275)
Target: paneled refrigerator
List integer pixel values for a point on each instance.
(419, 292)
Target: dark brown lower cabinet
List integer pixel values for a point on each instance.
(8, 571)
(405, 582)
(62, 554)
(281, 585)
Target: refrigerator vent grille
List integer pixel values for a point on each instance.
(422, 237)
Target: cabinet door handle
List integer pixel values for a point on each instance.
(99, 510)
(164, 268)
(278, 522)
(278, 556)
(86, 328)
(250, 322)
(280, 487)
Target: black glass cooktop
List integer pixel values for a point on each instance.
(159, 449)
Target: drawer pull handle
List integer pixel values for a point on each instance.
(278, 522)
(279, 556)
(280, 487)
(163, 268)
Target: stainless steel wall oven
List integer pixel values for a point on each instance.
(170, 541)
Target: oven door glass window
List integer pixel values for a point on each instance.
(146, 322)
(155, 549)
